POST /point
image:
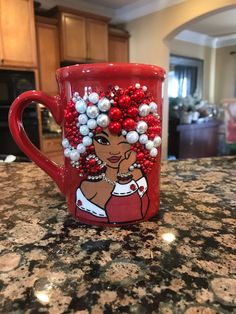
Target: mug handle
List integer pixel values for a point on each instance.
(18, 132)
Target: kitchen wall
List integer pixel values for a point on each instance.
(150, 36)
(225, 73)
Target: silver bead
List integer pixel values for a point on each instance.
(92, 112)
(90, 134)
(153, 106)
(76, 94)
(93, 98)
(123, 132)
(81, 148)
(143, 139)
(84, 130)
(153, 152)
(104, 104)
(132, 137)
(83, 118)
(81, 106)
(116, 87)
(149, 145)
(67, 152)
(143, 110)
(65, 143)
(131, 168)
(103, 120)
(87, 141)
(74, 155)
(141, 127)
(157, 141)
(144, 88)
(137, 85)
(92, 124)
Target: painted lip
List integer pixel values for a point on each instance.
(114, 159)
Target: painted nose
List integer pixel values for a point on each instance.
(114, 154)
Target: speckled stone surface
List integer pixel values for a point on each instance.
(182, 261)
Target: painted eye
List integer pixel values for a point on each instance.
(102, 140)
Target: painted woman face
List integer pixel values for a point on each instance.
(110, 148)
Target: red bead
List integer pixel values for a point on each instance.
(92, 162)
(140, 156)
(132, 111)
(128, 124)
(114, 127)
(115, 113)
(124, 101)
(132, 187)
(138, 95)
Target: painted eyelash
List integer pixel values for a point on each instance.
(97, 138)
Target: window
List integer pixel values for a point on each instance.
(185, 77)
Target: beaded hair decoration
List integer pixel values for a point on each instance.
(131, 112)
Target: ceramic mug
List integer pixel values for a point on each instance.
(110, 115)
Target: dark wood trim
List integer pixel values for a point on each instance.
(60, 9)
(46, 20)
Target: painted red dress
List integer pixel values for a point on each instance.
(128, 203)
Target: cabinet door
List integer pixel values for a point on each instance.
(97, 40)
(73, 43)
(17, 33)
(118, 49)
(48, 54)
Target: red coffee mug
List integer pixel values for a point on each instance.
(110, 115)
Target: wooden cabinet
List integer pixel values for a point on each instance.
(83, 36)
(118, 45)
(48, 54)
(194, 140)
(73, 37)
(17, 34)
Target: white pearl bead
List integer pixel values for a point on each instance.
(90, 134)
(74, 155)
(67, 152)
(143, 139)
(92, 111)
(104, 104)
(131, 168)
(65, 143)
(76, 94)
(137, 85)
(87, 141)
(83, 118)
(92, 124)
(149, 145)
(153, 152)
(123, 132)
(153, 106)
(143, 110)
(81, 106)
(84, 130)
(81, 148)
(157, 141)
(132, 137)
(144, 88)
(103, 120)
(93, 98)
(141, 127)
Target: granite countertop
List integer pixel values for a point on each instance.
(182, 261)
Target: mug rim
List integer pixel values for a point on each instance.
(111, 68)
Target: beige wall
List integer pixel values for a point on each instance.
(150, 35)
(186, 49)
(225, 73)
